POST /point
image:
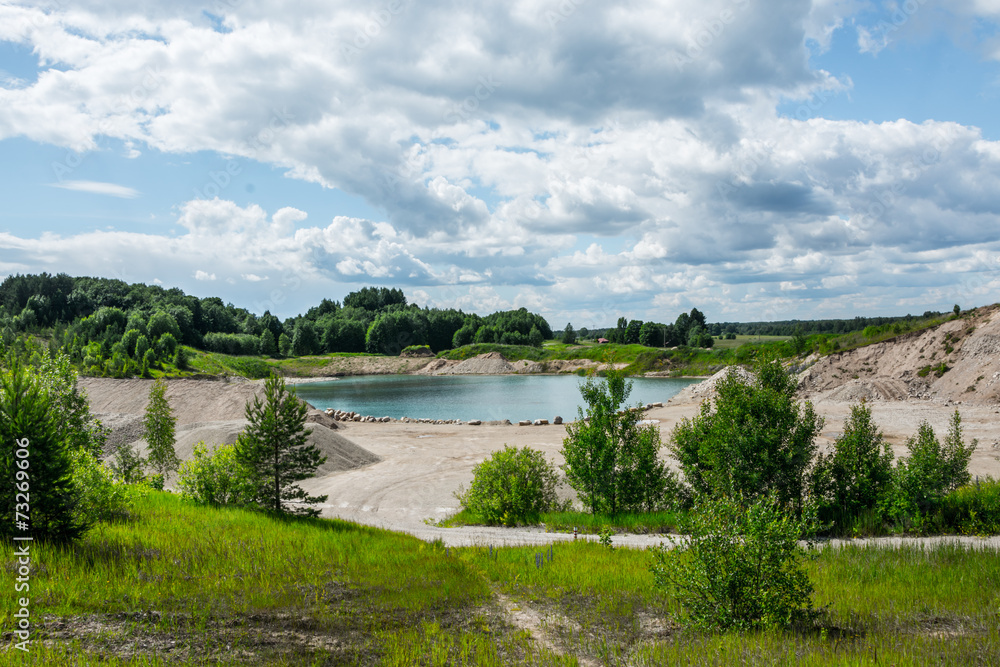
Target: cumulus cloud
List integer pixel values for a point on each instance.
(500, 138)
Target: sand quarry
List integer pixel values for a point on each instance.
(402, 476)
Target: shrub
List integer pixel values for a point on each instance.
(512, 486)
(930, 471)
(857, 476)
(101, 497)
(127, 464)
(216, 478)
(973, 509)
(741, 566)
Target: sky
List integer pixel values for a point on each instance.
(758, 160)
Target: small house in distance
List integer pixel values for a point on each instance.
(601, 341)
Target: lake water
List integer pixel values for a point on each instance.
(466, 397)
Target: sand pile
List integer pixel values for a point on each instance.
(910, 365)
(191, 400)
(341, 454)
(706, 388)
(491, 363)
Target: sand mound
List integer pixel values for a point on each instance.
(953, 362)
(341, 454)
(706, 388)
(858, 390)
(191, 400)
(491, 363)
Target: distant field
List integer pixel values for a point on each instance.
(743, 340)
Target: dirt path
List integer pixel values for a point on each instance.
(525, 617)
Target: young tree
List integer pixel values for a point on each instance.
(273, 450)
(30, 423)
(158, 424)
(755, 441)
(569, 336)
(858, 474)
(611, 461)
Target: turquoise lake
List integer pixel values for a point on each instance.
(466, 397)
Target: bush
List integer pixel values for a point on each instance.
(127, 464)
(512, 486)
(973, 509)
(742, 565)
(230, 343)
(101, 497)
(215, 478)
(930, 472)
(857, 476)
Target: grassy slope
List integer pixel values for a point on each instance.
(192, 585)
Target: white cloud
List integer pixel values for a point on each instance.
(652, 129)
(97, 188)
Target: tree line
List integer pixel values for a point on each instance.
(689, 329)
(110, 327)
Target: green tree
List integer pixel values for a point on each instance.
(36, 460)
(569, 336)
(932, 469)
(304, 340)
(284, 345)
(512, 486)
(158, 424)
(141, 347)
(632, 332)
(161, 323)
(274, 450)
(857, 476)
(268, 347)
(534, 337)
(611, 461)
(751, 440)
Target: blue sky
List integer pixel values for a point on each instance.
(585, 160)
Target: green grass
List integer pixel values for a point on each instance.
(186, 584)
(584, 522)
(741, 340)
(204, 579)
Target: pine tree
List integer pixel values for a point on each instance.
(158, 423)
(29, 423)
(274, 450)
